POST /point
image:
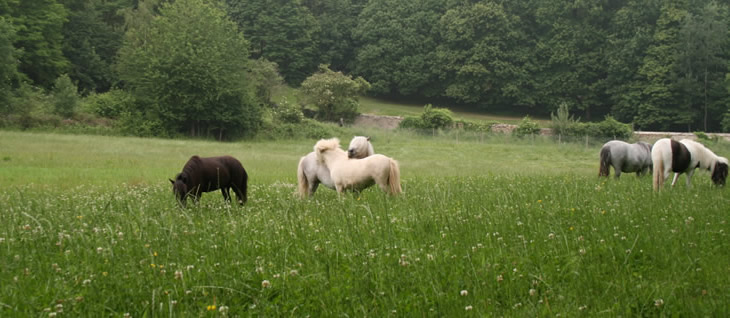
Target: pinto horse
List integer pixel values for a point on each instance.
(625, 157)
(685, 156)
(311, 173)
(209, 174)
(358, 174)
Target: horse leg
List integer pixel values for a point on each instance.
(674, 180)
(689, 178)
(313, 187)
(239, 194)
(226, 194)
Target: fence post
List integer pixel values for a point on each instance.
(586, 141)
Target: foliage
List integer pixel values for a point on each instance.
(92, 35)
(475, 126)
(282, 33)
(266, 78)
(563, 121)
(65, 96)
(286, 112)
(38, 38)
(9, 75)
(188, 68)
(334, 94)
(726, 122)
(110, 104)
(412, 122)
(609, 128)
(436, 118)
(527, 127)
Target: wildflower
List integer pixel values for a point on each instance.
(500, 278)
(467, 308)
(223, 310)
(582, 308)
(127, 315)
(430, 257)
(551, 236)
(464, 292)
(211, 307)
(53, 314)
(658, 302)
(265, 284)
(582, 251)
(533, 292)
(178, 274)
(293, 272)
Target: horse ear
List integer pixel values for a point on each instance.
(368, 138)
(173, 182)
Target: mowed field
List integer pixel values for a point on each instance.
(487, 226)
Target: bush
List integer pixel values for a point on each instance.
(411, 122)
(436, 117)
(563, 122)
(475, 126)
(108, 105)
(65, 96)
(612, 128)
(286, 112)
(526, 127)
(726, 122)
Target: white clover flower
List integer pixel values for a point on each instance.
(464, 292)
(265, 284)
(467, 308)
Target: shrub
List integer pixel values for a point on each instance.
(411, 122)
(286, 112)
(475, 126)
(563, 122)
(436, 117)
(726, 122)
(526, 127)
(109, 105)
(65, 96)
(612, 128)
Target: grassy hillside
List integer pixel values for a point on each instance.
(493, 226)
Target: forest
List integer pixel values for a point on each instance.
(187, 66)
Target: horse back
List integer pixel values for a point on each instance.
(212, 173)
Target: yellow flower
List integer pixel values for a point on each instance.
(155, 253)
(105, 273)
(152, 265)
(571, 228)
(211, 308)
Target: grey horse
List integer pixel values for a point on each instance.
(625, 157)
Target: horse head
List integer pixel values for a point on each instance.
(324, 146)
(720, 171)
(180, 187)
(360, 147)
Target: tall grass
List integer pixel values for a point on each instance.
(494, 227)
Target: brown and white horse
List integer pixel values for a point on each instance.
(685, 156)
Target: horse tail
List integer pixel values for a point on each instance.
(244, 186)
(657, 170)
(394, 178)
(605, 168)
(302, 187)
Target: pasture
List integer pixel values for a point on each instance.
(493, 226)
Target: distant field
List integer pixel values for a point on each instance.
(487, 226)
(376, 106)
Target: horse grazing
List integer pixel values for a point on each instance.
(625, 157)
(685, 156)
(358, 174)
(209, 174)
(311, 173)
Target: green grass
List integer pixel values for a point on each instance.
(519, 227)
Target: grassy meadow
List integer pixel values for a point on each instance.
(487, 226)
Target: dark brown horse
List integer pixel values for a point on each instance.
(209, 174)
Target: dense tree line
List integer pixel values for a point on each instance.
(659, 64)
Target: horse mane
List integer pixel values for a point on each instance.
(324, 145)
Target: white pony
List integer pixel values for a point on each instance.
(358, 174)
(685, 156)
(310, 172)
(624, 157)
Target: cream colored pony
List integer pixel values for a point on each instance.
(311, 173)
(358, 174)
